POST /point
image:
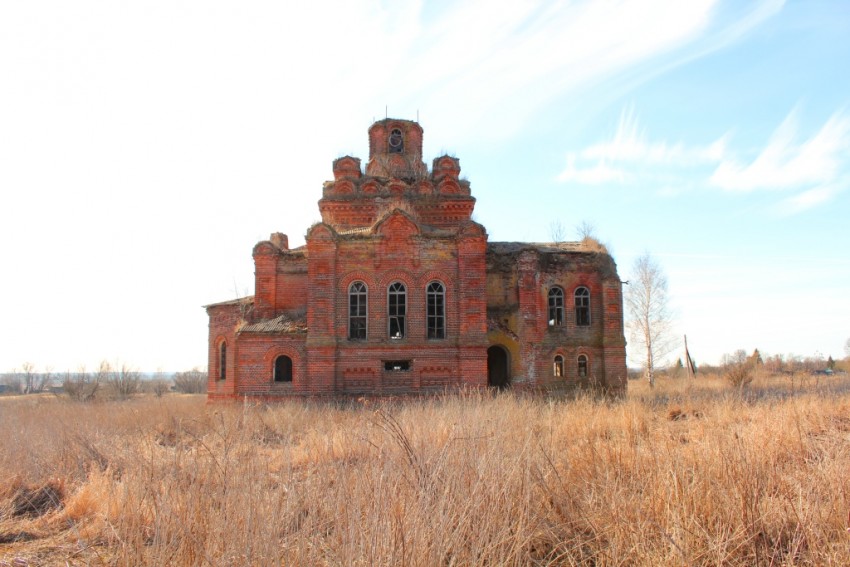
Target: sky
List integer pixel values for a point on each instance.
(145, 147)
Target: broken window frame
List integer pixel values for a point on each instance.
(358, 311)
(282, 369)
(582, 306)
(435, 307)
(556, 307)
(558, 366)
(396, 311)
(583, 364)
(397, 365)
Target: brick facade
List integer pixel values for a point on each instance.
(397, 291)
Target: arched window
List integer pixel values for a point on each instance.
(582, 297)
(582, 366)
(222, 361)
(396, 141)
(558, 366)
(396, 310)
(357, 311)
(283, 369)
(436, 297)
(556, 307)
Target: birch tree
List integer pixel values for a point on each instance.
(650, 319)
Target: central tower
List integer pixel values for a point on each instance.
(396, 178)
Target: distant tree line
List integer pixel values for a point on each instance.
(118, 381)
(740, 368)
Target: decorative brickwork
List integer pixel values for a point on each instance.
(396, 229)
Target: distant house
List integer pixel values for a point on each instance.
(398, 291)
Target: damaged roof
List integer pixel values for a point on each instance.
(279, 324)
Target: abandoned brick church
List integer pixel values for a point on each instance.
(397, 291)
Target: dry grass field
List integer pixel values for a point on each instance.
(686, 474)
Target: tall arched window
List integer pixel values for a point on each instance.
(558, 366)
(556, 307)
(436, 310)
(283, 369)
(396, 310)
(582, 297)
(222, 361)
(583, 367)
(357, 311)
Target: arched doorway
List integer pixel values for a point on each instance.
(498, 369)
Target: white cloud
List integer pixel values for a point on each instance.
(784, 164)
(629, 155)
(596, 174)
(815, 169)
(809, 198)
(630, 145)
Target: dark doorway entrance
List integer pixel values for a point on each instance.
(497, 367)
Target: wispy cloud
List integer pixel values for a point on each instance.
(629, 155)
(532, 52)
(814, 169)
(787, 164)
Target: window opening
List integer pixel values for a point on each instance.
(357, 311)
(436, 297)
(396, 310)
(396, 365)
(396, 141)
(222, 361)
(283, 369)
(582, 298)
(582, 366)
(556, 307)
(558, 366)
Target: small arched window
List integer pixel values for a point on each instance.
(396, 141)
(283, 369)
(582, 299)
(222, 361)
(396, 310)
(558, 366)
(556, 307)
(582, 366)
(436, 310)
(357, 311)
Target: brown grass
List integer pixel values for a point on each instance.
(685, 474)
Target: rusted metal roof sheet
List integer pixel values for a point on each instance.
(280, 324)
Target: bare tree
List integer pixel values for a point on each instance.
(45, 379)
(81, 386)
(28, 369)
(123, 380)
(557, 232)
(847, 348)
(647, 302)
(738, 368)
(586, 230)
(159, 384)
(191, 382)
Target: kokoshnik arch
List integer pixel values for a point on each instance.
(397, 292)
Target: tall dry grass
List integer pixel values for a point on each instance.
(684, 474)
